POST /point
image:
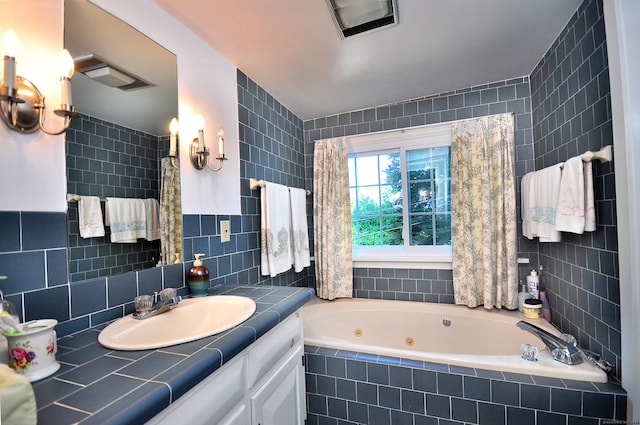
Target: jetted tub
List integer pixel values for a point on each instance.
(436, 333)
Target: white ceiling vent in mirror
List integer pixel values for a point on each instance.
(353, 17)
(99, 70)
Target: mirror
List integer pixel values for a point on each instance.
(125, 88)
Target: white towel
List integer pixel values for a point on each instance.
(543, 200)
(524, 205)
(589, 204)
(90, 217)
(127, 218)
(570, 214)
(152, 219)
(275, 249)
(299, 232)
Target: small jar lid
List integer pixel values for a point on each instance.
(533, 303)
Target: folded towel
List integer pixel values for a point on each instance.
(127, 218)
(90, 217)
(299, 232)
(589, 204)
(543, 201)
(275, 250)
(152, 219)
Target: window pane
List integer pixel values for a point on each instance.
(391, 200)
(422, 197)
(421, 229)
(367, 170)
(368, 199)
(352, 172)
(429, 191)
(368, 231)
(392, 230)
(443, 226)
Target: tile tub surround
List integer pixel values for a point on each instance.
(96, 385)
(349, 388)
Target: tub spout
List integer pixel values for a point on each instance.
(561, 350)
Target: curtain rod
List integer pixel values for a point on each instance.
(255, 184)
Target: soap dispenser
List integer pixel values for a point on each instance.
(198, 278)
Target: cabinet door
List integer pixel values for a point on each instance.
(280, 400)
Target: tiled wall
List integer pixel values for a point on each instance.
(353, 388)
(487, 99)
(271, 148)
(108, 160)
(420, 285)
(572, 114)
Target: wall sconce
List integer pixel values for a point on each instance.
(173, 143)
(21, 102)
(200, 153)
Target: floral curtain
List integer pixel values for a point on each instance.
(332, 220)
(170, 213)
(483, 218)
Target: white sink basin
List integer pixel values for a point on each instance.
(192, 319)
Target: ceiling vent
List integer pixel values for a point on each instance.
(98, 69)
(353, 17)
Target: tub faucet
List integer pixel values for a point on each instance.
(158, 307)
(561, 350)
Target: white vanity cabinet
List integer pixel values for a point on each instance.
(262, 385)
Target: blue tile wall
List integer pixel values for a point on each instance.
(108, 160)
(572, 114)
(345, 388)
(272, 149)
(486, 99)
(422, 285)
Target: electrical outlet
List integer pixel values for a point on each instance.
(225, 230)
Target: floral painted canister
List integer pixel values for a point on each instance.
(32, 352)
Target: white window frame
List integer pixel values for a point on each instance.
(416, 257)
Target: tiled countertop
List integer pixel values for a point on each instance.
(96, 385)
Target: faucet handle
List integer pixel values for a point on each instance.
(168, 293)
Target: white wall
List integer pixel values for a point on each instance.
(623, 33)
(32, 166)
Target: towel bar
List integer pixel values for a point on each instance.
(255, 184)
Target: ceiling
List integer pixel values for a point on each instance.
(293, 50)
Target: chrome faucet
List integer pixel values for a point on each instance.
(562, 351)
(158, 307)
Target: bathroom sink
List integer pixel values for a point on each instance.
(192, 319)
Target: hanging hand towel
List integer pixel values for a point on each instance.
(589, 204)
(152, 219)
(275, 249)
(299, 232)
(126, 217)
(524, 205)
(543, 201)
(570, 214)
(90, 217)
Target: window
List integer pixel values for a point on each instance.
(400, 196)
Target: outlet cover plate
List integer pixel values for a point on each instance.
(225, 230)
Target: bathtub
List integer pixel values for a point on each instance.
(435, 333)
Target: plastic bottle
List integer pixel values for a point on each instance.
(546, 311)
(533, 284)
(522, 295)
(198, 278)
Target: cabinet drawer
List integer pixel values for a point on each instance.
(273, 347)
